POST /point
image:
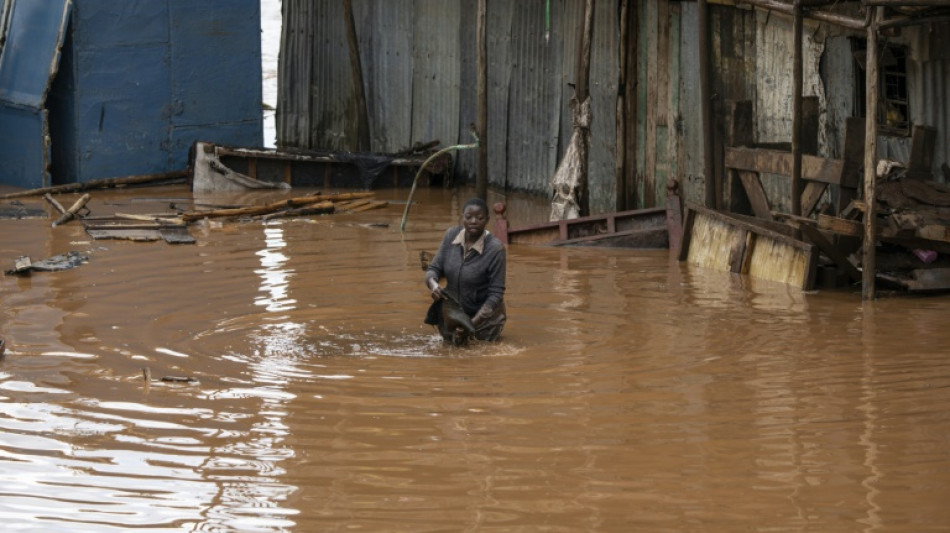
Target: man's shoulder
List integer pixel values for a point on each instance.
(493, 244)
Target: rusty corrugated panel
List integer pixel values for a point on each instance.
(534, 100)
(385, 32)
(435, 67)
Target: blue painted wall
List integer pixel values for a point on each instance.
(141, 80)
(28, 59)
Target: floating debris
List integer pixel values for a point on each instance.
(64, 261)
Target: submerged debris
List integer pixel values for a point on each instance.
(17, 210)
(64, 261)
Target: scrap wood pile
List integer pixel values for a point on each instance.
(913, 230)
(172, 227)
(317, 204)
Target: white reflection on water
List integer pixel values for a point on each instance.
(274, 276)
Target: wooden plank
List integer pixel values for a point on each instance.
(688, 222)
(840, 259)
(780, 162)
(750, 225)
(737, 251)
(812, 194)
(741, 134)
(840, 226)
(922, 142)
(756, 193)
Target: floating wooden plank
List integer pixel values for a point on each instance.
(729, 244)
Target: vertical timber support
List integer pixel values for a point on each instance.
(706, 104)
(481, 118)
(356, 71)
(868, 263)
(582, 92)
(797, 113)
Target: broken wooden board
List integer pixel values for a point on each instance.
(926, 279)
(147, 229)
(19, 211)
(641, 228)
(722, 242)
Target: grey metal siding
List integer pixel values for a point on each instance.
(534, 99)
(604, 75)
(435, 60)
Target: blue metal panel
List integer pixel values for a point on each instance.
(22, 151)
(123, 105)
(216, 63)
(108, 23)
(31, 53)
(29, 59)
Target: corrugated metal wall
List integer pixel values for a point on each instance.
(931, 87)
(419, 69)
(419, 65)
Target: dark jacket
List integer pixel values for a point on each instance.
(477, 280)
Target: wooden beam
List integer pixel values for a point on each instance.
(922, 142)
(841, 260)
(796, 182)
(812, 194)
(814, 168)
(481, 117)
(356, 73)
(756, 193)
(868, 261)
(705, 96)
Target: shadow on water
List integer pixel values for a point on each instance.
(277, 376)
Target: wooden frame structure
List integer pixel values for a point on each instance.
(873, 23)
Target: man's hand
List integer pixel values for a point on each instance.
(436, 290)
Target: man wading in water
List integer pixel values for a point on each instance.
(472, 261)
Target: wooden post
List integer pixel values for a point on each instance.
(582, 92)
(621, 120)
(705, 96)
(356, 70)
(868, 263)
(797, 113)
(481, 118)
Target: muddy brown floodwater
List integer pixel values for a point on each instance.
(630, 392)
